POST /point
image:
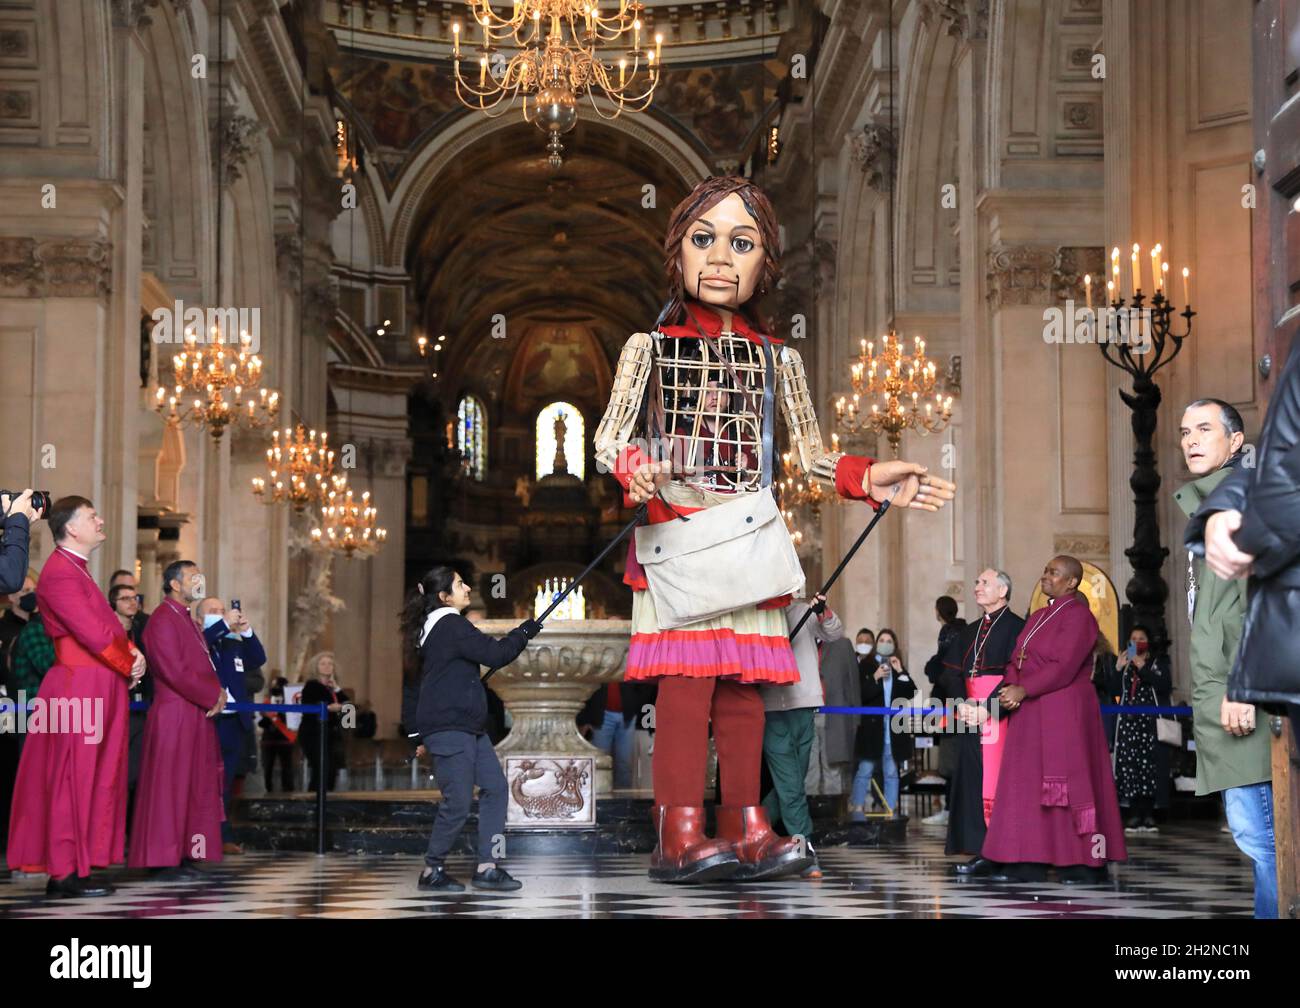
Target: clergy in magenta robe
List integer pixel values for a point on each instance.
(178, 810)
(69, 805)
(1056, 801)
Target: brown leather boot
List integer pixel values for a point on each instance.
(763, 854)
(684, 853)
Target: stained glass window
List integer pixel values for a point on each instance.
(574, 458)
(471, 437)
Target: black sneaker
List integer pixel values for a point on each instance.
(496, 878)
(437, 880)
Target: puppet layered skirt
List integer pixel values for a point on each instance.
(749, 645)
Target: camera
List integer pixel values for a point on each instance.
(40, 500)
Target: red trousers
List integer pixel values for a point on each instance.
(684, 708)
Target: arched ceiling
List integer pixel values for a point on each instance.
(502, 234)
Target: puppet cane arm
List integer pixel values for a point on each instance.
(821, 466)
(614, 434)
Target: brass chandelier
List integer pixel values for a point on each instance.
(556, 62)
(797, 491)
(903, 385)
(300, 467)
(221, 378)
(349, 526)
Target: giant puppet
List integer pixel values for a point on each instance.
(689, 432)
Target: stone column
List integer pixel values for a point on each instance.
(370, 425)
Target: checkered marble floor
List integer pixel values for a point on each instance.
(1188, 870)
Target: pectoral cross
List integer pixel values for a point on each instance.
(1020, 660)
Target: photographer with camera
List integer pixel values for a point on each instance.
(20, 510)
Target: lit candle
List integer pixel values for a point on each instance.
(1087, 288)
(1155, 268)
(636, 34)
(482, 71)
(1137, 275)
(455, 39)
(1187, 298)
(1110, 291)
(835, 442)
(1164, 278)
(622, 69)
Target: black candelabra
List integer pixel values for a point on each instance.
(1140, 341)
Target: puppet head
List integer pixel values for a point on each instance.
(722, 248)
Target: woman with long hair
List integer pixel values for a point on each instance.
(878, 746)
(1141, 679)
(451, 720)
(323, 687)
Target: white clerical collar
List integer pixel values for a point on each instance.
(431, 620)
(69, 549)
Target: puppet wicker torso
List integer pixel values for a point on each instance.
(671, 388)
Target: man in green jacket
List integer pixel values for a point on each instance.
(1231, 755)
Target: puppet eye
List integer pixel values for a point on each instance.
(701, 239)
(742, 245)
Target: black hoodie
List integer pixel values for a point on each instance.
(452, 695)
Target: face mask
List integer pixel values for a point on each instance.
(1140, 646)
(28, 603)
(862, 649)
(885, 648)
(212, 619)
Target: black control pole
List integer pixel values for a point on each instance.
(884, 506)
(636, 518)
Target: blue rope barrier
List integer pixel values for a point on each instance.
(923, 711)
(8, 704)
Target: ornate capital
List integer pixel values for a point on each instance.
(873, 150)
(235, 146)
(55, 267)
(132, 14)
(288, 258)
(321, 301)
(1021, 275)
(1072, 263)
(966, 19)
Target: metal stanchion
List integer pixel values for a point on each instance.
(323, 716)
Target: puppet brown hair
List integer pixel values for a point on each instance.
(703, 198)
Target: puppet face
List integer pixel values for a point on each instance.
(722, 255)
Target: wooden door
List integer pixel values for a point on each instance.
(1276, 270)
